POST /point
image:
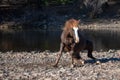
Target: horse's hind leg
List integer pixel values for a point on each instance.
(89, 47)
(90, 50)
(59, 55)
(90, 54)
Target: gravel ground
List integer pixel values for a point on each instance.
(38, 66)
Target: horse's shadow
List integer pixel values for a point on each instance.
(102, 60)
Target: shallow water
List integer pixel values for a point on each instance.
(50, 40)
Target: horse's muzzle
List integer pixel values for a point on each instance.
(77, 40)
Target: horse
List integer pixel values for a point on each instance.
(73, 41)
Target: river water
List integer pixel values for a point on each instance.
(50, 40)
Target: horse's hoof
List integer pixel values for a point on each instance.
(97, 62)
(55, 65)
(82, 62)
(72, 66)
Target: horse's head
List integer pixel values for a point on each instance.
(72, 27)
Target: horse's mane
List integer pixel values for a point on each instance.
(70, 24)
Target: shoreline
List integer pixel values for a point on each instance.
(93, 24)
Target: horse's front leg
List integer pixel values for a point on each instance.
(78, 59)
(72, 59)
(59, 55)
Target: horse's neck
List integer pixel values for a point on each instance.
(67, 32)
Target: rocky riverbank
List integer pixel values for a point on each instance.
(38, 66)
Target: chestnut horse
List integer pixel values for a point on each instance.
(73, 41)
